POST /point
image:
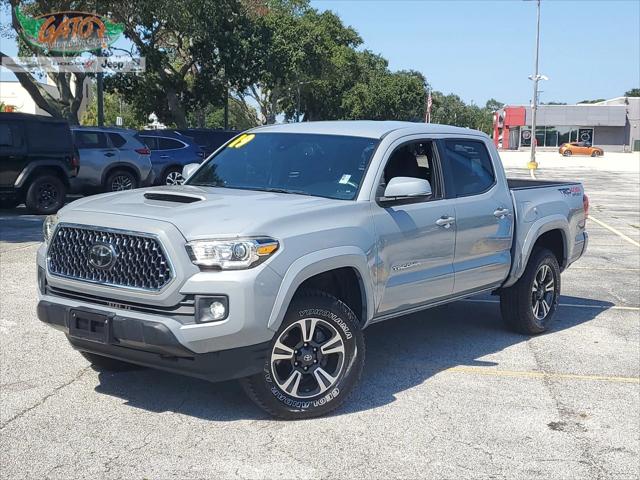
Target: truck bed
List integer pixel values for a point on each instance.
(541, 205)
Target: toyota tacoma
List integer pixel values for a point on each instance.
(279, 250)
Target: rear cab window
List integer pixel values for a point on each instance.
(470, 169)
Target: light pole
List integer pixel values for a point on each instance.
(534, 103)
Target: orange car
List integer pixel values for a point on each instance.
(580, 148)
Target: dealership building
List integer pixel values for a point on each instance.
(612, 124)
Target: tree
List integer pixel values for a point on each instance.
(597, 100)
(114, 106)
(388, 96)
(70, 86)
(634, 92)
(241, 116)
(195, 51)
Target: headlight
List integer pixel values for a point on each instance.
(231, 254)
(48, 227)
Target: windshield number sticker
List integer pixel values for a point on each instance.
(242, 140)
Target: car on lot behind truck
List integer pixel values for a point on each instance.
(282, 248)
(113, 159)
(37, 161)
(580, 148)
(170, 152)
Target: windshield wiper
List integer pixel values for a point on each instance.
(283, 190)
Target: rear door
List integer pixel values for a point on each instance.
(13, 152)
(96, 154)
(483, 212)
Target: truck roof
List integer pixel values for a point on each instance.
(363, 128)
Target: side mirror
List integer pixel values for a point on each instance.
(407, 187)
(189, 169)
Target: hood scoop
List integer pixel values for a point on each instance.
(173, 197)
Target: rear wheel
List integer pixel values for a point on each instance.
(98, 362)
(529, 305)
(316, 359)
(567, 153)
(45, 195)
(120, 180)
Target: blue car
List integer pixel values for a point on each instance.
(170, 151)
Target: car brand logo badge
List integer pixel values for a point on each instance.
(102, 256)
(307, 358)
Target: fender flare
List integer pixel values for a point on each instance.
(114, 166)
(31, 167)
(318, 262)
(523, 251)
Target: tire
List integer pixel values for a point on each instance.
(107, 364)
(318, 375)
(172, 176)
(595, 153)
(120, 180)
(45, 195)
(539, 285)
(567, 153)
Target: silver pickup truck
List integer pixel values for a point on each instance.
(290, 240)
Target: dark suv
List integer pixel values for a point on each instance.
(37, 160)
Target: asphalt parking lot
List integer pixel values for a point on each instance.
(446, 393)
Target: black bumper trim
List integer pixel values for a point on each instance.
(153, 345)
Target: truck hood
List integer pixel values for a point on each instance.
(204, 212)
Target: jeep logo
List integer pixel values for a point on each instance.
(102, 256)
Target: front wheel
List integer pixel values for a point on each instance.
(529, 305)
(596, 153)
(173, 176)
(567, 153)
(315, 360)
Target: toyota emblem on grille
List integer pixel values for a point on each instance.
(102, 255)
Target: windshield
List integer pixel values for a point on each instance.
(329, 166)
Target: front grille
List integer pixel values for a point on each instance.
(137, 260)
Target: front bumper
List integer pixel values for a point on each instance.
(152, 344)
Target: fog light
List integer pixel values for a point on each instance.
(218, 311)
(213, 308)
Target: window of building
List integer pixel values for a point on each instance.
(552, 136)
(470, 166)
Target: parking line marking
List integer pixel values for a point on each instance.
(574, 305)
(617, 232)
(529, 374)
(607, 268)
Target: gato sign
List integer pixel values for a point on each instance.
(68, 32)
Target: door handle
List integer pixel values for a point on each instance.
(109, 154)
(164, 156)
(445, 221)
(501, 213)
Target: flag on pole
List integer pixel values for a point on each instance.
(427, 118)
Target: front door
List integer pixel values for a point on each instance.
(483, 211)
(415, 245)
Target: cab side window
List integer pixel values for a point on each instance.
(8, 137)
(470, 165)
(415, 159)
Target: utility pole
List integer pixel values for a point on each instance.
(100, 97)
(534, 104)
(226, 109)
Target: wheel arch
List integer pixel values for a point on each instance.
(120, 166)
(548, 232)
(34, 169)
(341, 271)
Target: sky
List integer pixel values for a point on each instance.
(482, 49)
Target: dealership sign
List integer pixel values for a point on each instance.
(69, 32)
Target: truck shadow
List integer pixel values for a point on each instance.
(401, 354)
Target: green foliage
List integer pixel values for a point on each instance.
(634, 92)
(240, 117)
(114, 106)
(597, 100)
